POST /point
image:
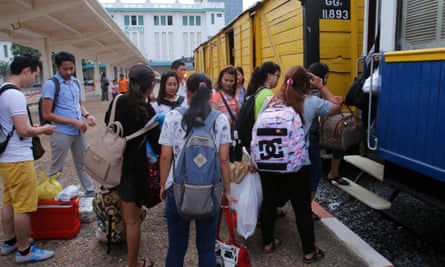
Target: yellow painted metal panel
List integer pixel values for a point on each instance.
(416, 55)
(340, 45)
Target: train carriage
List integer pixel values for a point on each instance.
(274, 31)
(409, 38)
(411, 100)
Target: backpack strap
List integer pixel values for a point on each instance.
(211, 119)
(3, 88)
(56, 91)
(173, 104)
(7, 86)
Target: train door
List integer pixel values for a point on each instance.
(231, 47)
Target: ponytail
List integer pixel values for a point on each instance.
(199, 85)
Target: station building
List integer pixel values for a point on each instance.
(164, 32)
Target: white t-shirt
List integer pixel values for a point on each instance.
(173, 135)
(13, 103)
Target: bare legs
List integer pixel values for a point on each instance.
(16, 225)
(131, 215)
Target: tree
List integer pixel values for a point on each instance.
(4, 69)
(18, 50)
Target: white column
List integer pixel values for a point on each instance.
(79, 74)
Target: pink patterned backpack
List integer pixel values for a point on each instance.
(278, 141)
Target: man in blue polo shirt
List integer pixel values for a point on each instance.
(68, 117)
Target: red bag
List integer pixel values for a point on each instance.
(230, 253)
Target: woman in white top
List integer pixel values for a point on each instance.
(172, 138)
(167, 97)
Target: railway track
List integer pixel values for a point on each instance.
(410, 233)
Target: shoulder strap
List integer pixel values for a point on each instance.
(5, 87)
(180, 100)
(113, 109)
(173, 104)
(57, 88)
(227, 106)
(142, 131)
(211, 118)
(259, 90)
(56, 91)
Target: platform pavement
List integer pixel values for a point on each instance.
(342, 247)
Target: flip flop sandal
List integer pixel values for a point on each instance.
(318, 255)
(145, 261)
(339, 180)
(275, 244)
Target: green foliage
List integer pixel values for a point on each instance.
(18, 50)
(4, 68)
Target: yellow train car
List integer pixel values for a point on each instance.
(290, 32)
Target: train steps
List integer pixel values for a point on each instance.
(362, 194)
(366, 165)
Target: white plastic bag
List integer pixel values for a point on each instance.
(68, 193)
(248, 197)
(374, 88)
(86, 212)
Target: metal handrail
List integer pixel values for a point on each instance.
(368, 131)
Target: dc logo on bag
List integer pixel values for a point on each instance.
(270, 148)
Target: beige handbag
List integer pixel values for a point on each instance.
(104, 156)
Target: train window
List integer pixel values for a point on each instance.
(422, 24)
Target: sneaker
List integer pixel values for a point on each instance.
(90, 194)
(35, 254)
(7, 249)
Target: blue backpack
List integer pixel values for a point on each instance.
(197, 176)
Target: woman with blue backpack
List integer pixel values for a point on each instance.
(179, 167)
(293, 181)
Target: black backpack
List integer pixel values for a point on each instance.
(244, 124)
(56, 94)
(4, 138)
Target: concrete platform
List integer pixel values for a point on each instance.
(342, 246)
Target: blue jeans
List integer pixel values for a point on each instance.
(178, 236)
(314, 156)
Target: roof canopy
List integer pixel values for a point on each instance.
(82, 27)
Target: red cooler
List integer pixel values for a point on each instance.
(55, 219)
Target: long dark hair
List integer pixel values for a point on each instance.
(141, 79)
(164, 78)
(231, 71)
(240, 70)
(295, 86)
(199, 85)
(259, 76)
